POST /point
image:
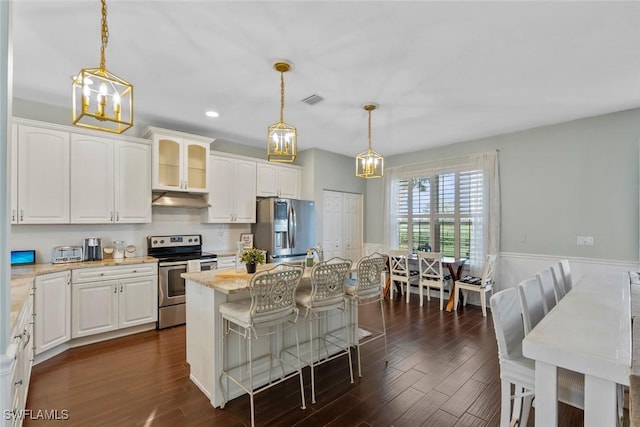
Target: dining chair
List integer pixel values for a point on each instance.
(400, 272)
(545, 279)
(269, 312)
(366, 290)
(531, 303)
(430, 275)
(558, 282)
(320, 302)
(518, 370)
(565, 269)
(482, 285)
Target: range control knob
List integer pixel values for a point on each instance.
(162, 242)
(190, 240)
(155, 242)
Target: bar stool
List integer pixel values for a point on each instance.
(326, 294)
(368, 290)
(272, 304)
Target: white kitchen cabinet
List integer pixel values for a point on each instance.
(13, 148)
(19, 360)
(52, 310)
(43, 175)
(109, 298)
(232, 192)
(179, 161)
(342, 225)
(110, 180)
(278, 181)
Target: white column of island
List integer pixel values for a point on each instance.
(205, 292)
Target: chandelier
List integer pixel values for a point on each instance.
(369, 164)
(102, 100)
(281, 137)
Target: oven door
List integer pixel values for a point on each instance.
(170, 284)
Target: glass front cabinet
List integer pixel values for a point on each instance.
(179, 160)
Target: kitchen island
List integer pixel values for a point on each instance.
(205, 292)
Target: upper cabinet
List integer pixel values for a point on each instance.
(60, 176)
(232, 192)
(110, 180)
(43, 175)
(179, 161)
(278, 181)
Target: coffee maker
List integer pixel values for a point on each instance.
(92, 249)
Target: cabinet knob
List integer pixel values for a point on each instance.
(111, 216)
(121, 287)
(21, 215)
(115, 289)
(117, 216)
(13, 215)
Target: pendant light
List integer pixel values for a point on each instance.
(369, 164)
(102, 100)
(281, 137)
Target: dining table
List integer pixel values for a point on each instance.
(588, 331)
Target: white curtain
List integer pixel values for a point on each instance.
(489, 225)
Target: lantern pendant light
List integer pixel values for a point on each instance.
(369, 164)
(281, 137)
(102, 100)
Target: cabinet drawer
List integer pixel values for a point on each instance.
(118, 272)
(226, 262)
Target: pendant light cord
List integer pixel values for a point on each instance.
(281, 97)
(105, 35)
(369, 129)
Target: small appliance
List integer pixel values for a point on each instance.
(92, 249)
(62, 254)
(27, 257)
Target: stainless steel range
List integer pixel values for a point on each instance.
(174, 253)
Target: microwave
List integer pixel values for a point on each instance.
(66, 254)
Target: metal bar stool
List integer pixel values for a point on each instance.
(272, 304)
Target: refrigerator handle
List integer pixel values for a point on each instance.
(292, 226)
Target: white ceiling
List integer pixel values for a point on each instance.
(442, 72)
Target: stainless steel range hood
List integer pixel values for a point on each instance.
(179, 200)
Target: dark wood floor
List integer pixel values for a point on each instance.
(442, 371)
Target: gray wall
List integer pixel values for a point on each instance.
(557, 182)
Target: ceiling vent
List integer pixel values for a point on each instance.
(313, 99)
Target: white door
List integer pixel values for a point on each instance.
(92, 177)
(245, 191)
(221, 189)
(289, 183)
(43, 176)
(138, 301)
(332, 224)
(132, 182)
(352, 226)
(94, 308)
(52, 310)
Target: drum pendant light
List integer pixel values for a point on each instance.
(102, 100)
(369, 164)
(281, 137)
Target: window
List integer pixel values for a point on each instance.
(441, 212)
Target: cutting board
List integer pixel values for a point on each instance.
(233, 274)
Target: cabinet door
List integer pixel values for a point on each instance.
(94, 308)
(92, 180)
(132, 183)
(13, 147)
(52, 310)
(196, 155)
(266, 180)
(167, 163)
(221, 189)
(138, 301)
(43, 176)
(289, 183)
(244, 178)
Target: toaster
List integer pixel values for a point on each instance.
(66, 254)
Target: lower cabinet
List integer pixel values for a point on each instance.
(53, 310)
(21, 351)
(106, 299)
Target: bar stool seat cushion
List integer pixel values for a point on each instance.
(303, 298)
(239, 312)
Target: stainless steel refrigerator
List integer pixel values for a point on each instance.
(285, 228)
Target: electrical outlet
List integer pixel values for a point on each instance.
(585, 241)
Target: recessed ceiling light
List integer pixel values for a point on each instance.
(212, 114)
